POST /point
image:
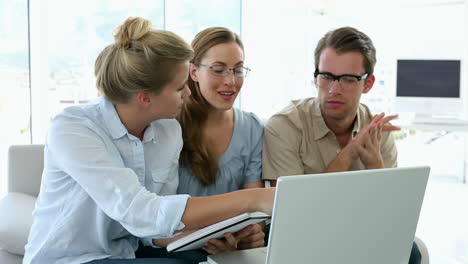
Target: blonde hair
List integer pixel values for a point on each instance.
(195, 153)
(141, 58)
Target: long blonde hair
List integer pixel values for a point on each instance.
(195, 154)
(140, 58)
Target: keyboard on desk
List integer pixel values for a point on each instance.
(440, 121)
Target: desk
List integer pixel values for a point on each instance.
(435, 127)
(445, 127)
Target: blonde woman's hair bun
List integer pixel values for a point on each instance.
(140, 59)
(133, 29)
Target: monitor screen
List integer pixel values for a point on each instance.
(428, 78)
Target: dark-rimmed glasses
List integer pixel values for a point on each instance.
(325, 79)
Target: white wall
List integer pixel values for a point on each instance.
(280, 41)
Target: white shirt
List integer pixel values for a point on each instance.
(102, 188)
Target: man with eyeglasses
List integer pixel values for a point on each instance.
(334, 131)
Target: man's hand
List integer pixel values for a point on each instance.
(365, 146)
(367, 143)
(369, 150)
(250, 237)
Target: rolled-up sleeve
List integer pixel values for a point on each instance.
(166, 211)
(92, 161)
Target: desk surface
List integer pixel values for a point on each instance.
(435, 127)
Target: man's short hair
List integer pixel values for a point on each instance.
(348, 39)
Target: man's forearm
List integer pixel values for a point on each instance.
(342, 162)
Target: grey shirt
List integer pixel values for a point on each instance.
(241, 163)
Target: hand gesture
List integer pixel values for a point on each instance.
(366, 144)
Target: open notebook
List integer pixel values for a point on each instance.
(198, 238)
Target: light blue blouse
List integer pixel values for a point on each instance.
(241, 163)
(101, 187)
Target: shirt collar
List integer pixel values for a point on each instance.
(111, 119)
(149, 133)
(114, 124)
(357, 124)
(320, 127)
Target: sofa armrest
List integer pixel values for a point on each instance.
(15, 221)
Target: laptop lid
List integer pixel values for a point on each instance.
(356, 217)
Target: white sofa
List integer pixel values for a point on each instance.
(25, 165)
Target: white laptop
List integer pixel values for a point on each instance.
(357, 217)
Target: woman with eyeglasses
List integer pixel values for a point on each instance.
(110, 170)
(222, 149)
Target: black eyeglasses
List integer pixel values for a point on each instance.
(223, 71)
(325, 79)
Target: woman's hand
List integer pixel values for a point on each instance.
(215, 246)
(251, 236)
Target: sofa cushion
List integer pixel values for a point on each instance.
(15, 221)
(8, 258)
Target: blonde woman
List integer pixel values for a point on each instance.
(110, 172)
(222, 145)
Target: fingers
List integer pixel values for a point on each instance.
(250, 237)
(211, 248)
(388, 118)
(215, 246)
(385, 120)
(256, 233)
(378, 134)
(247, 231)
(253, 241)
(254, 244)
(387, 125)
(231, 240)
(390, 127)
(375, 121)
(369, 151)
(378, 117)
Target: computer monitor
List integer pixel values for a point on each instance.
(429, 88)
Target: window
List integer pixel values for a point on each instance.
(188, 17)
(67, 36)
(14, 79)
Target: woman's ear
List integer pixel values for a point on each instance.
(143, 98)
(193, 70)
